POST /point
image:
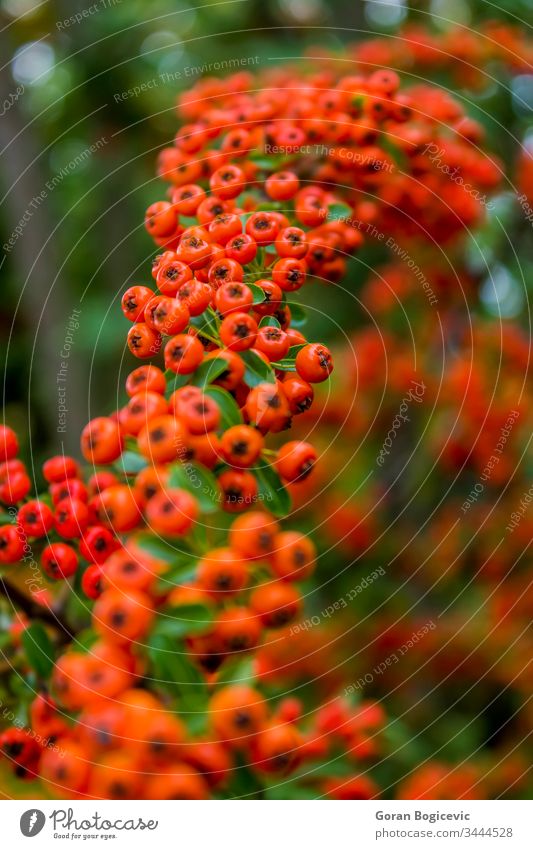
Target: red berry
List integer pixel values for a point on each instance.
(8, 444)
(144, 342)
(92, 582)
(295, 460)
(160, 219)
(101, 441)
(134, 301)
(59, 560)
(183, 354)
(238, 331)
(11, 544)
(35, 518)
(60, 467)
(282, 185)
(314, 363)
(98, 542)
(233, 297)
(71, 518)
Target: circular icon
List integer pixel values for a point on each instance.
(32, 822)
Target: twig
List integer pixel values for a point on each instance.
(54, 618)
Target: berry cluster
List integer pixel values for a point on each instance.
(463, 52)
(158, 697)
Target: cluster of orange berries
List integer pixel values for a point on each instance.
(462, 51)
(127, 744)
(125, 741)
(330, 153)
(268, 183)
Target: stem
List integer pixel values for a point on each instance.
(51, 617)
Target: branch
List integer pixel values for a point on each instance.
(51, 617)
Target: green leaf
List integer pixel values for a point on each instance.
(174, 381)
(85, 640)
(188, 221)
(205, 322)
(271, 490)
(298, 314)
(160, 548)
(335, 768)
(293, 350)
(176, 673)
(337, 211)
(269, 321)
(208, 371)
(182, 570)
(263, 162)
(184, 620)
(39, 649)
(244, 781)
(258, 293)
(291, 790)
(288, 362)
(199, 481)
(230, 413)
(129, 463)
(256, 370)
(237, 670)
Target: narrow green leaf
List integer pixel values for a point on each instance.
(338, 211)
(271, 490)
(188, 221)
(288, 363)
(258, 293)
(230, 413)
(199, 481)
(293, 350)
(298, 314)
(291, 790)
(177, 674)
(269, 321)
(160, 548)
(263, 162)
(174, 381)
(184, 620)
(39, 649)
(205, 322)
(256, 370)
(208, 371)
(182, 570)
(244, 781)
(129, 463)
